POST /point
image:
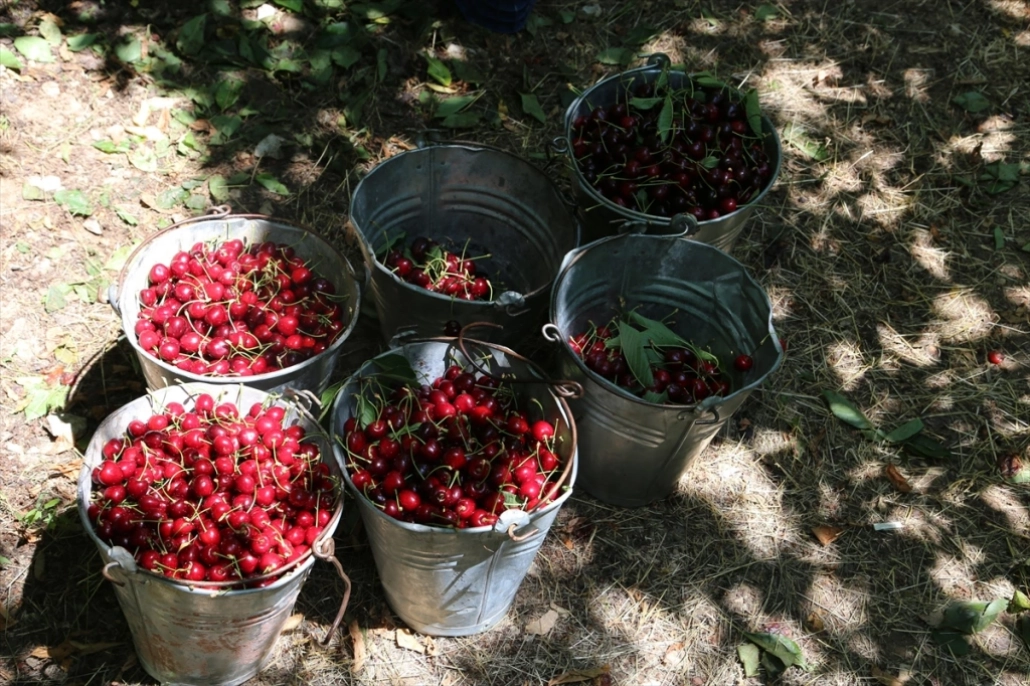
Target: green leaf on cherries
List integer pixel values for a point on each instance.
(396, 367)
(706, 80)
(665, 119)
(510, 499)
(656, 332)
(644, 103)
(656, 398)
(633, 344)
(754, 111)
(710, 162)
(365, 412)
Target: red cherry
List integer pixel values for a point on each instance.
(995, 357)
(743, 363)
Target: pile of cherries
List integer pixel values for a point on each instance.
(427, 264)
(456, 453)
(208, 495)
(707, 163)
(230, 310)
(682, 374)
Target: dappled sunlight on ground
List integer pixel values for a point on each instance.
(848, 362)
(964, 315)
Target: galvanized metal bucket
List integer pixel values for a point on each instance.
(602, 217)
(203, 634)
(633, 452)
(457, 582)
(455, 194)
(312, 374)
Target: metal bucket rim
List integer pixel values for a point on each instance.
(653, 219)
(560, 402)
(190, 377)
(711, 401)
(287, 572)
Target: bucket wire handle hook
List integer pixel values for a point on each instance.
(106, 572)
(325, 549)
(565, 388)
(518, 538)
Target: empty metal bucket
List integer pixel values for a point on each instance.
(312, 374)
(457, 582)
(602, 217)
(633, 452)
(185, 634)
(498, 203)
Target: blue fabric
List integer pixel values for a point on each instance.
(500, 16)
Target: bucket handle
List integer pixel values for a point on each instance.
(683, 225)
(659, 59)
(700, 411)
(565, 388)
(325, 549)
(106, 572)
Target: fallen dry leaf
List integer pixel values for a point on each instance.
(40, 652)
(358, 641)
(67, 469)
(1009, 465)
(408, 640)
(674, 654)
(292, 622)
(542, 624)
(578, 676)
(899, 481)
(827, 534)
(888, 679)
(90, 648)
(814, 622)
(7, 618)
